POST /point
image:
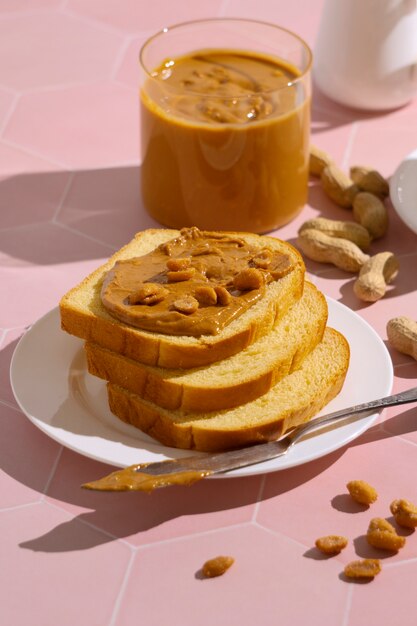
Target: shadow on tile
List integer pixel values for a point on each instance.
(102, 205)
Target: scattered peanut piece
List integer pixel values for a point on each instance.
(369, 179)
(319, 159)
(217, 566)
(371, 212)
(404, 512)
(336, 228)
(331, 544)
(375, 275)
(381, 534)
(402, 335)
(367, 568)
(362, 492)
(380, 523)
(323, 248)
(338, 186)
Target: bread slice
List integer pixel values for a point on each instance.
(293, 400)
(83, 315)
(228, 383)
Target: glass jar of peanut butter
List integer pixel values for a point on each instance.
(225, 119)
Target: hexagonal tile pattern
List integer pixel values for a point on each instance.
(56, 561)
(68, 51)
(69, 197)
(27, 465)
(288, 506)
(92, 135)
(165, 514)
(391, 597)
(26, 182)
(92, 197)
(34, 259)
(260, 585)
(132, 17)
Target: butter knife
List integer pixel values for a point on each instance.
(187, 470)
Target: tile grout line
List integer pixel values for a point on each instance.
(52, 474)
(259, 498)
(122, 590)
(63, 197)
(89, 21)
(88, 237)
(74, 516)
(348, 606)
(20, 506)
(119, 57)
(35, 154)
(204, 533)
(9, 114)
(8, 405)
(349, 146)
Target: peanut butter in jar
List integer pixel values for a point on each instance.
(225, 131)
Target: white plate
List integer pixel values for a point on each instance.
(53, 388)
(403, 190)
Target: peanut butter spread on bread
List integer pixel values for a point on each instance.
(193, 285)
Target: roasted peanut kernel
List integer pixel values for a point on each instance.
(379, 523)
(404, 512)
(206, 295)
(248, 279)
(217, 566)
(178, 264)
(362, 492)
(148, 293)
(381, 534)
(262, 259)
(186, 304)
(181, 275)
(385, 540)
(331, 544)
(223, 296)
(367, 568)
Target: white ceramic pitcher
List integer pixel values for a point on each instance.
(366, 52)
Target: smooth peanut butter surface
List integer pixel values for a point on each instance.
(224, 141)
(193, 285)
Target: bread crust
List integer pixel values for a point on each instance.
(83, 315)
(201, 433)
(203, 389)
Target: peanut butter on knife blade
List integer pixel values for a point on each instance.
(132, 479)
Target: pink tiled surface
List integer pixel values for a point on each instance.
(69, 196)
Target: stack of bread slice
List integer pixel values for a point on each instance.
(270, 369)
